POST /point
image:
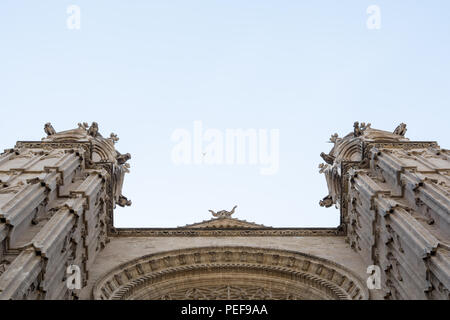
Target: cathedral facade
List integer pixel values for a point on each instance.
(58, 240)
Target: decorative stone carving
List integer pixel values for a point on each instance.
(57, 197)
(224, 222)
(223, 213)
(197, 276)
(122, 158)
(93, 130)
(356, 129)
(326, 202)
(334, 138)
(400, 130)
(392, 192)
(56, 201)
(114, 137)
(83, 126)
(225, 230)
(327, 158)
(48, 128)
(123, 201)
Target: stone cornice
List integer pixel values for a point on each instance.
(238, 232)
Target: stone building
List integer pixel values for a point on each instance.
(57, 198)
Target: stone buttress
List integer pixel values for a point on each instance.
(56, 206)
(394, 198)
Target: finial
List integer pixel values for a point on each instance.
(334, 138)
(113, 137)
(83, 125)
(358, 129)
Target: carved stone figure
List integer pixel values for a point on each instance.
(113, 137)
(83, 125)
(123, 201)
(326, 202)
(328, 158)
(93, 129)
(334, 138)
(49, 130)
(356, 129)
(122, 158)
(365, 126)
(400, 130)
(322, 167)
(223, 213)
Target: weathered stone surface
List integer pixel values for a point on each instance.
(56, 203)
(121, 250)
(394, 196)
(56, 210)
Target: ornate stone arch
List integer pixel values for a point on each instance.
(229, 273)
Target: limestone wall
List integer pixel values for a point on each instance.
(56, 202)
(124, 249)
(394, 196)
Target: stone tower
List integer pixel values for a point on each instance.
(394, 198)
(56, 204)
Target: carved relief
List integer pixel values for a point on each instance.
(232, 265)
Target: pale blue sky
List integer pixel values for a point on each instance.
(142, 69)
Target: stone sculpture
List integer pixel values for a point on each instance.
(223, 213)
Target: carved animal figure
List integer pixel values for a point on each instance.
(223, 213)
(122, 158)
(49, 130)
(123, 201)
(400, 130)
(328, 158)
(326, 202)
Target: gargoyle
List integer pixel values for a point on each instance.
(326, 202)
(328, 158)
(123, 201)
(93, 129)
(223, 213)
(49, 130)
(122, 158)
(400, 130)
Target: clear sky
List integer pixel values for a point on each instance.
(143, 69)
